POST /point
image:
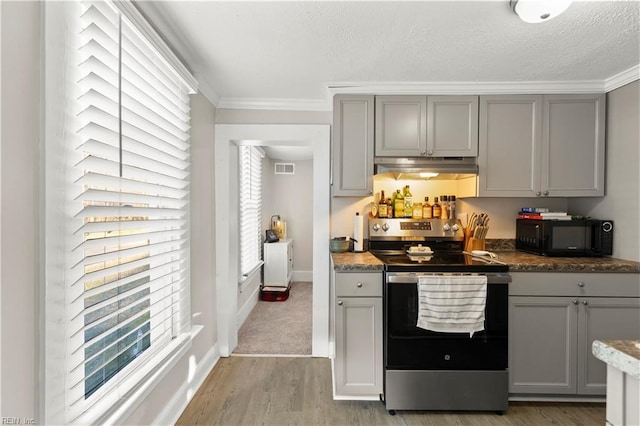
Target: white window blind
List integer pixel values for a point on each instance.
(250, 208)
(127, 284)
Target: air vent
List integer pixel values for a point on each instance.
(285, 168)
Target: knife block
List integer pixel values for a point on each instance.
(473, 244)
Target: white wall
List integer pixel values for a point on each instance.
(19, 203)
(622, 200)
(260, 116)
(291, 197)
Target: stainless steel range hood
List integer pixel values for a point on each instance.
(436, 168)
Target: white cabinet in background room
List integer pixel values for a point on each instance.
(278, 263)
(358, 335)
(554, 319)
(352, 169)
(426, 126)
(541, 145)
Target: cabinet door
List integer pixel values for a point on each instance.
(353, 128)
(401, 126)
(358, 359)
(573, 145)
(603, 318)
(542, 345)
(452, 126)
(509, 145)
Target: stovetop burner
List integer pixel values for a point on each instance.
(439, 262)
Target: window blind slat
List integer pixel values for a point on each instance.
(106, 181)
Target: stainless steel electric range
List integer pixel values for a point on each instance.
(427, 370)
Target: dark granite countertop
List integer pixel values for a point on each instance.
(517, 261)
(356, 262)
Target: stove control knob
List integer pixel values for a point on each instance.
(376, 227)
(455, 227)
(447, 227)
(385, 227)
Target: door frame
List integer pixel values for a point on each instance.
(225, 208)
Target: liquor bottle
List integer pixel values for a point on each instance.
(382, 206)
(408, 202)
(452, 206)
(427, 212)
(417, 211)
(398, 205)
(437, 210)
(389, 207)
(444, 207)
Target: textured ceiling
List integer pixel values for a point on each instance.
(265, 52)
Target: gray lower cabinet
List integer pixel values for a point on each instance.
(541, 145)
(358, 335)
(554, 319)
(352, 139)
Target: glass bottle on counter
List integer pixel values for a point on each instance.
(452, 206)
(444, 207)
(398, 205)
(382, 206)
(427, 213)
(437, 209)
(408, 202)
(417, 210)
(389, 208)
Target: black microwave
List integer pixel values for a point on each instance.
(584, 237)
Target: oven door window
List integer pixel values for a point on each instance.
(410, 347)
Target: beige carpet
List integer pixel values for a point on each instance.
(279, 328)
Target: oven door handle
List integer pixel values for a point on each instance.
(412, 278)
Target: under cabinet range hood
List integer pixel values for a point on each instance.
(428, 168)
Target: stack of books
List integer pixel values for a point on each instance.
(542, 213)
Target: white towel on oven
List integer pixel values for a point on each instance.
(452, 303)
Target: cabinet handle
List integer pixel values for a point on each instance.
(424, 153)
(585, 303)
(538, 194)
(545, 193)
(359, 285)
(340, 302)
(430, 153)
(580, 284)
(575, 302)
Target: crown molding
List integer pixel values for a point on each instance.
(422, 88)
(207, 91)
(620, 79)
(283, 104)
(468, 88)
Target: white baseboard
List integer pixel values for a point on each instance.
(245, 310)
(173, 410)
(302, 276)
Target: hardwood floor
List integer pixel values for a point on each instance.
(297, 391)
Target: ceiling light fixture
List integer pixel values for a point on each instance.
(534, 11)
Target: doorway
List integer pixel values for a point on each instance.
(226, 223)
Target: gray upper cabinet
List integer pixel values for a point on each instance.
(452, 126)
(573, 145)
(509, 145)
(401, 126)
(426, 126)
(539, 146)
(353, 128)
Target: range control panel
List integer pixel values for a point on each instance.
(381, 229)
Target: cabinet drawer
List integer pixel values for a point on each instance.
(575, 284)
(358, 284)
